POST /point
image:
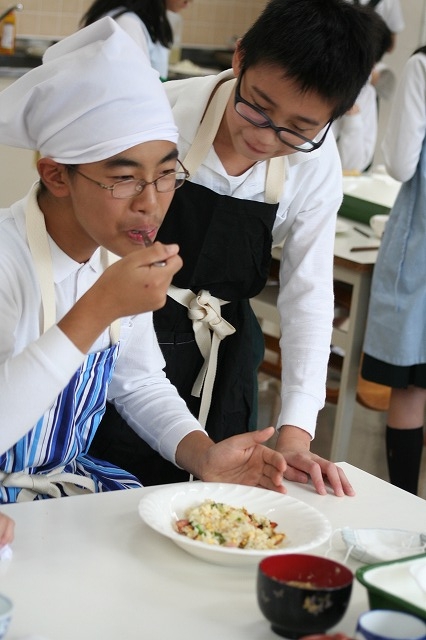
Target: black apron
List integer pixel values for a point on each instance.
(225, 244)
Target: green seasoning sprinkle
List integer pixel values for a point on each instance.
(220, 538)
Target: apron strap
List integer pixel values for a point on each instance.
(34, 484)
(107, 259)
(276, 177)
(209, 126)
(209, 329)
(277, 168)
(40, 250)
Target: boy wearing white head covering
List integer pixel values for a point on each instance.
(108, 169)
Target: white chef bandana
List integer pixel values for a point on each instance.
(94, 96)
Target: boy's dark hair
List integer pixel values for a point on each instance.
(326, 46)
(151, 12)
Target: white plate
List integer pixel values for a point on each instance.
(341, 226)
(304, 526)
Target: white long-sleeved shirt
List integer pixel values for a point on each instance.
(356, 134)
(34, 369)
(406, 127)
(306, 220)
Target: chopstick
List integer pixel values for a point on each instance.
(362, 232)
(364, 248)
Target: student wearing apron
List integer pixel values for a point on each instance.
(76, 319)
(226, 218)
(235, 236)
(51, 459)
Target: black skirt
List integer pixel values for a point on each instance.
(392, 375)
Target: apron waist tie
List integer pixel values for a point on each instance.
(33, 484)
(209, 329)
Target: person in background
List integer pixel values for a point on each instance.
(76, 321)
(174, 16)
(383, 78)
(391, 12)
(263, 170)
(395, 339)
(145, 21)
(356, 130)
(7, 528)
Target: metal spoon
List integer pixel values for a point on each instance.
(148, 243)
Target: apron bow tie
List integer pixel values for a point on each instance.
(209, 330)
(47, 483)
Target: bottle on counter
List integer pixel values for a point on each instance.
(176, 24)
(8, 34)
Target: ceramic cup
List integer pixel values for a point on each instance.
(6, 608)
(378, 223)
(381, 624)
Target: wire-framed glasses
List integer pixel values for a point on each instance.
(258, 118)
(131, 188)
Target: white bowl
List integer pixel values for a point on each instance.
(382, 624)
(305, 527)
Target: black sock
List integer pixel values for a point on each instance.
(404, 452)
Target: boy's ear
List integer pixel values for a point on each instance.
(237, 59)
(54, 176)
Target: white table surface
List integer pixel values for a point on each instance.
(87, 567)
(349, 238)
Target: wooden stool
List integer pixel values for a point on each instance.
(369, 394)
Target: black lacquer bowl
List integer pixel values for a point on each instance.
(301, 594)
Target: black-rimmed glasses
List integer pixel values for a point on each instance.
(131, 188)
(258, 118)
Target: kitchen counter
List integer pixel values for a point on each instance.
(28, 55)
(20, 60)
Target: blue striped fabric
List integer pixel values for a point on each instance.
(63, 435)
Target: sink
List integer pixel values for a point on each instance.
(20, 59)
(28, 54)
(18, 63)
(207, 57)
